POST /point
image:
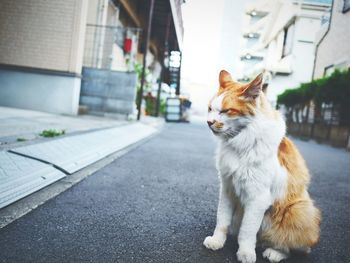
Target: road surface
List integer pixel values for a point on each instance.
(158, 202)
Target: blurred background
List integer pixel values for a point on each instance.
(116, 92)
(128, 59)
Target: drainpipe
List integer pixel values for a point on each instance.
(148, 35)
(315, 60)
(96, 36)
(319, 42)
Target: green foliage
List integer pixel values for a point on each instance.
(20, 139)
(138, 70)
(162, 107)
(289, 97)
(52, 133)
(150, 104)
(147, 85)
(334, 89)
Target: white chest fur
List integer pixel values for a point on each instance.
(251, 160)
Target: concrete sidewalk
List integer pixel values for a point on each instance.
(18, 126)
(34, 162)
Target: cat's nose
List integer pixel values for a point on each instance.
(210, 123)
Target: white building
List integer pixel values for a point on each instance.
(280, 39)
(331, 51)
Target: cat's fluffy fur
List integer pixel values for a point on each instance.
(263, 177)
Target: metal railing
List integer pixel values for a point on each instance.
(110, 47)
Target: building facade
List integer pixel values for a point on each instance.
(280, 40)
(332, 48)
(45, 45)
(41, 45)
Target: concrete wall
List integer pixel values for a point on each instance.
(336, 135)
(334, 49)
(39, 36)
(304, 48)
(39, 91)
(43, 34)
(108, 91)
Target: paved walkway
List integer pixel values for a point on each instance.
(158, 202)
(28, 166)
(26, 124)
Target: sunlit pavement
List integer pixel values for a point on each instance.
(158, 202)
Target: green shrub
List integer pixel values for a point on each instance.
(334, 89)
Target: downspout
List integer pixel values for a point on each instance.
(93, 57)
(319, 42)
(315, 60)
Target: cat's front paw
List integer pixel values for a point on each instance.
(245, 255)
(213, 242)
(274, 255)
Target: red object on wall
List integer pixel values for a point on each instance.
(127, 45)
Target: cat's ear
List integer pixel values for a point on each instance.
(267, 78)
(253, 89)
(264, 87)
(224, 78)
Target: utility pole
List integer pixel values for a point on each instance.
(148, 36)
(163, 66)
(179, 77)
(159, 91)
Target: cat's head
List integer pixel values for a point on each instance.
(234, 105)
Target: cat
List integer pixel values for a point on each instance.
(263, 177)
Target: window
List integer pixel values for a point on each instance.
(346, 6)
(326, 16)
(331, 68)
(328, 70)
(288, 40)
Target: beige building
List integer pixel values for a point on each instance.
(41, 45)
(332, 44)
(47, 46)
(42, 34)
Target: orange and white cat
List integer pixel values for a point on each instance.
(263, 177)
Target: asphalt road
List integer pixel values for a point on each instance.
(158, 202)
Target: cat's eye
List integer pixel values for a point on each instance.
(224, 111)
(209, 108)
(230, 111)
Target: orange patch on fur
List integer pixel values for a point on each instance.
(234, 102)
(235, 105)
(295, 221)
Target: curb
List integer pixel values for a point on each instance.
(25, 205)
